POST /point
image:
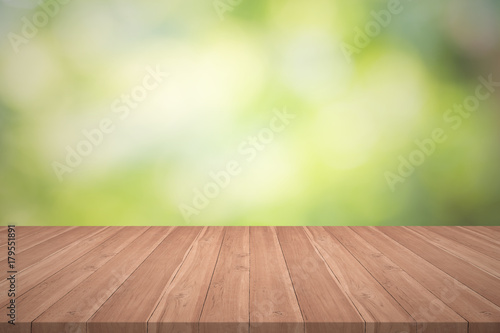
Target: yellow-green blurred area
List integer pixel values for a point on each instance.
(361, 82)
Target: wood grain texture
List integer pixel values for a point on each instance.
(377, 307)
(38, 299)
(273, 304)
(36, 273)
(130, 307)
(21, 232)
(180, 308)
(482, 233)
(325, 307)
(3, 235)
(28, 241)
(430, 313)
(27, 257)
(73, 310)
(476, 258)
(255, 280)
(482, 315)
(483, 283)
(484, 246)
(226, 307)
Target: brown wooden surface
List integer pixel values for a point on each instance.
(325, 306)
(130, 307)
(254, 279)
(482, 315)
(273, 304)
(378, 308)
(180, 308)
(478, 280)
(226, 304)
(429, 311)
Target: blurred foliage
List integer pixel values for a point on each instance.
(228, 71)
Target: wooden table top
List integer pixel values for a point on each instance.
(251, 279)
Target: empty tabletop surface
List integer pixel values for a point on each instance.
(250, 279)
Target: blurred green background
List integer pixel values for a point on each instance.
(66, 66)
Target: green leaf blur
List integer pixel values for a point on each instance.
(365, 84)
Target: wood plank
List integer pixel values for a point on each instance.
(35, 238)
(483, 233)
(482, 315)
(53, 263)
(34, 302)
(3, 235)
(130, 307)
(379, 309)
(256, 280)
(21, 232)
(180, 308)
(40, 235)
(72, 311)
(495, 229)
(325, 307)
(273, 304)
(478, 259)
(489, 248)
(226, 308)
(430, 313)
(483, 283)
(49, 247)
